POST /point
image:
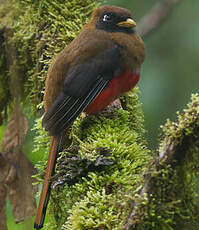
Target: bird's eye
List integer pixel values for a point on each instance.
(106, 18)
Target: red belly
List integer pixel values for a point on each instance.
(119, 85)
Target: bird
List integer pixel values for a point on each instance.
(100, 64)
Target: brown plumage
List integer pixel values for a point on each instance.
(78, 51)
(101, 63)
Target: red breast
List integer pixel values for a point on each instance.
(119, 85)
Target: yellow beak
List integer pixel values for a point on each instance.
(128, 23)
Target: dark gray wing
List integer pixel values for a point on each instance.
(81, 86)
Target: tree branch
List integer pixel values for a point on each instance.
(180, 140)
(155, 17)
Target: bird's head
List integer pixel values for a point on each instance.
(113, 19)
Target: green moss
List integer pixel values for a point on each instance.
(41, 29)
(174, 202)
(102, 199)
(44, 29)
(4, 88)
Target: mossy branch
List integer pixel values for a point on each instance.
(179, 150)
(112, 181)
(100, 170)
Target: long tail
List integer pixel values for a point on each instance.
(46, 189)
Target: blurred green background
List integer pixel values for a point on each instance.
(171, 69)
(169, 74)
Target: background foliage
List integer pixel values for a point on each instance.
(170, 72)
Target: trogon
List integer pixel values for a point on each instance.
(98, 66)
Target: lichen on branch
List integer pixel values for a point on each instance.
(41, 29)
(168, 198)
(134, 188)
(101, 197)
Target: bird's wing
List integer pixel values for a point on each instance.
(81, 86)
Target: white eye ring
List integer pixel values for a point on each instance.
(106, 18)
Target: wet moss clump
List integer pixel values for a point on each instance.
(102, 198)
(105, 164)
(172, 190)
(40, 29)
